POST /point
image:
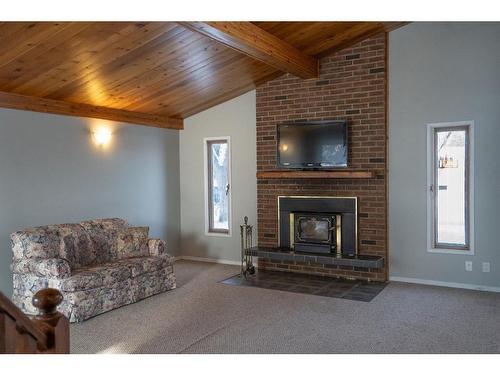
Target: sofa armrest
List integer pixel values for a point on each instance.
(157, 247)
(50, 267)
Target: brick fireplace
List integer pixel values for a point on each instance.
(352, 87)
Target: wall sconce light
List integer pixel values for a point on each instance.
(102, 136)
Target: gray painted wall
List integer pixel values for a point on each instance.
(442, 72)
(235, 118)
(51, 172)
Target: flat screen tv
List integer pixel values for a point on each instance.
(312, 144)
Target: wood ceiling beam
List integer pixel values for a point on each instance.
(32, 103)
(257, 43)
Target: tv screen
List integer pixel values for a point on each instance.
(313, 144)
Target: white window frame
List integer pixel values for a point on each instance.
(431, 248)
(205, 182)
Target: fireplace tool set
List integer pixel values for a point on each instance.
(247, 267)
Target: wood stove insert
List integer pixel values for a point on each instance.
(325, 225)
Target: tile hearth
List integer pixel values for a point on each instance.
(310, 284)
(283, 254)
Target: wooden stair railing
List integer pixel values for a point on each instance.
(47, 332)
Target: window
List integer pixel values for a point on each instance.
(217, 186)
(450, 200)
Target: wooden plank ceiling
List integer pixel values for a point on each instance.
(157, 73)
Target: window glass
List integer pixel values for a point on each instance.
(218, 186)
(450, 188)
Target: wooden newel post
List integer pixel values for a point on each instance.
(54, 324)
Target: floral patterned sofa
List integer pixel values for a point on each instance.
(98, 265)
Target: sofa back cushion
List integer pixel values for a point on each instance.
(76, 246)
(88, 243)
(109, 223)
(39, 242)
(67, 241)
(132, 242)
(104, 236)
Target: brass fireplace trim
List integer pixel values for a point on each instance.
(323, 197)
(338, 236)
(292, 230)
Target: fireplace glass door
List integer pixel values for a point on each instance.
(314, 228)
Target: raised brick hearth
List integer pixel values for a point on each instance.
(351, 86)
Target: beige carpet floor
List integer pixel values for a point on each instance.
(205, 316)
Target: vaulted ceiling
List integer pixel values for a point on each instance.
(158, 73)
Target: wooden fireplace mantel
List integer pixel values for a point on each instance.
(330, 174)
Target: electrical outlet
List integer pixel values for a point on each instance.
(486, 266)
(468, 266)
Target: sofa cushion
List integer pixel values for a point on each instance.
(157, 246)
(142, 265)
(39, 242)
(103, 234)
(132, 242)
(50, 267)
(95, 277)
(111, 272)
(110, 223)
(76, 246)
(67, 241)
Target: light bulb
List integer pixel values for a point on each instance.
(102, 136)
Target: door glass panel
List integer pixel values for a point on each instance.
(219, 186)
(451, 187)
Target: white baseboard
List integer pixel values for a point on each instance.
(208, 260)
(445, 284)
